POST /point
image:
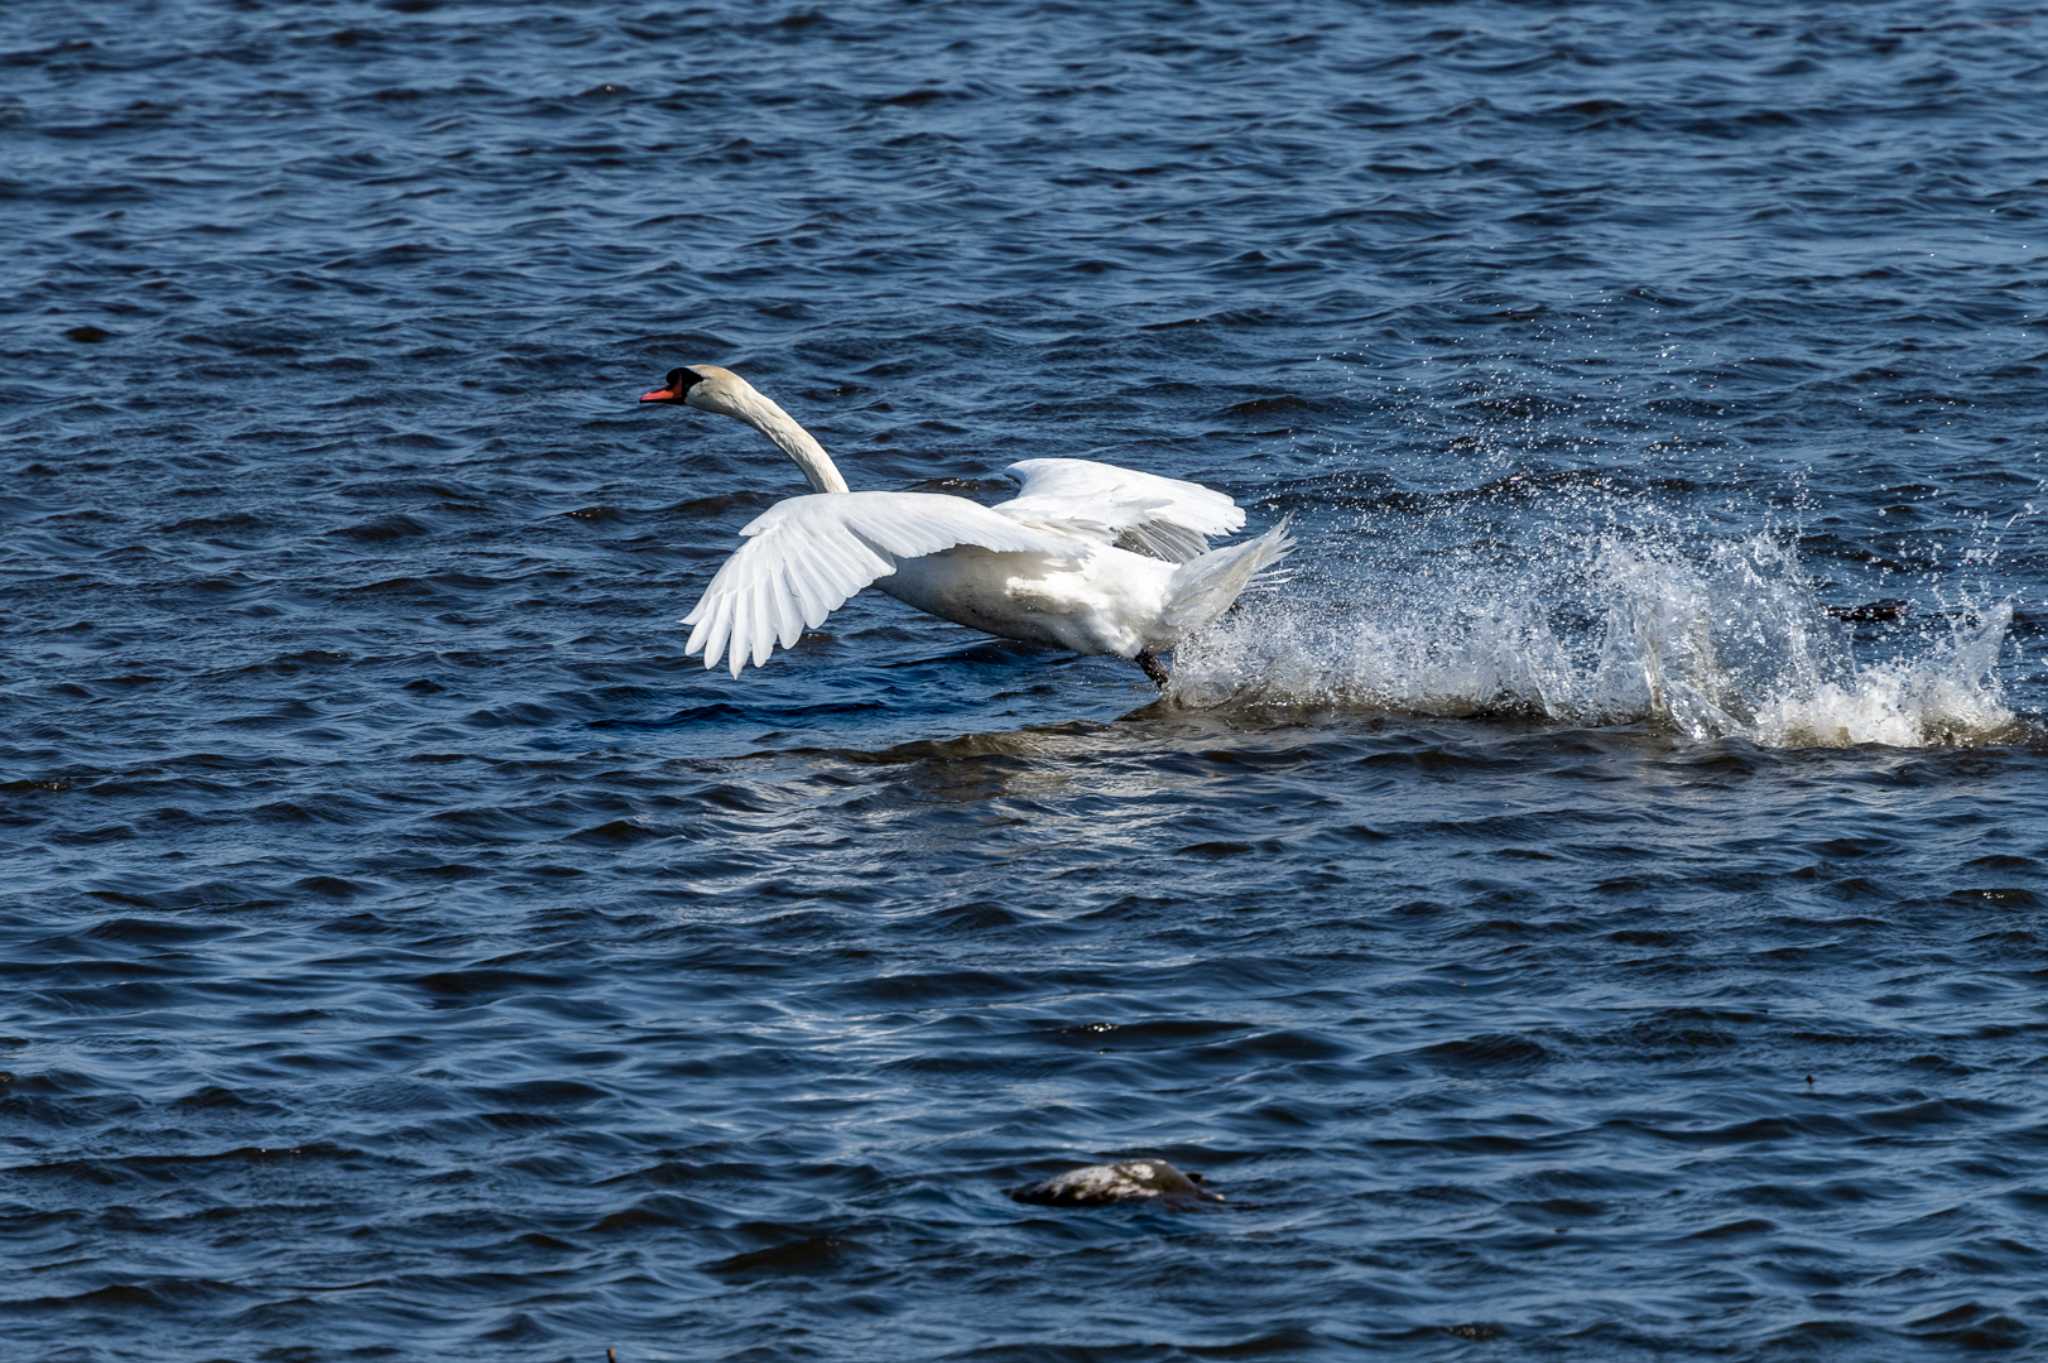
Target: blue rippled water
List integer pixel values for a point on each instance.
(1566, 921)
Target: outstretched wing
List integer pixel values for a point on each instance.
(805, 556)
(1164, 517)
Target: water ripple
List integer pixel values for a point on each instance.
(1590, 911)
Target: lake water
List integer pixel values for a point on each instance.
(1555, 932)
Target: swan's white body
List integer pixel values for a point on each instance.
(1104, 601)
(1047, 567)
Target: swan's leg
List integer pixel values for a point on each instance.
(1154, 669)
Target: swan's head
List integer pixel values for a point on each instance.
(711, 389)
(703, 386)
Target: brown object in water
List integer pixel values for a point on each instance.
(1138, 1180)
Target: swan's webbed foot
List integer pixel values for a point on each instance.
(1154, 669)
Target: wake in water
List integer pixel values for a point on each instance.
(1729, 640)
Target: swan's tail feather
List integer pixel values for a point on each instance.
(1203, 588)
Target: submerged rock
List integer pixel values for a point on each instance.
(1138, 1180)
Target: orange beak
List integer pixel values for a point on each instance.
(659, 395)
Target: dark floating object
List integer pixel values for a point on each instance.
(1099, 1185)
(1870, 610)
(88, 335)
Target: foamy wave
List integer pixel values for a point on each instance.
(1951, 697)
(1726, 642)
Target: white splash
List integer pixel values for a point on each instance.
(1728, 640)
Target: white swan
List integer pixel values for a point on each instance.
(1053, 566)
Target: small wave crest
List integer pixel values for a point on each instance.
(1724, 640)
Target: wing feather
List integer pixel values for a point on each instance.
(1168, 518)
(761, 620)
(790, 600)
(806, 589)
(805, 556)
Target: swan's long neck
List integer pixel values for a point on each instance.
(796, 442)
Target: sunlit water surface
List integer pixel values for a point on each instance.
(1555, 930)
